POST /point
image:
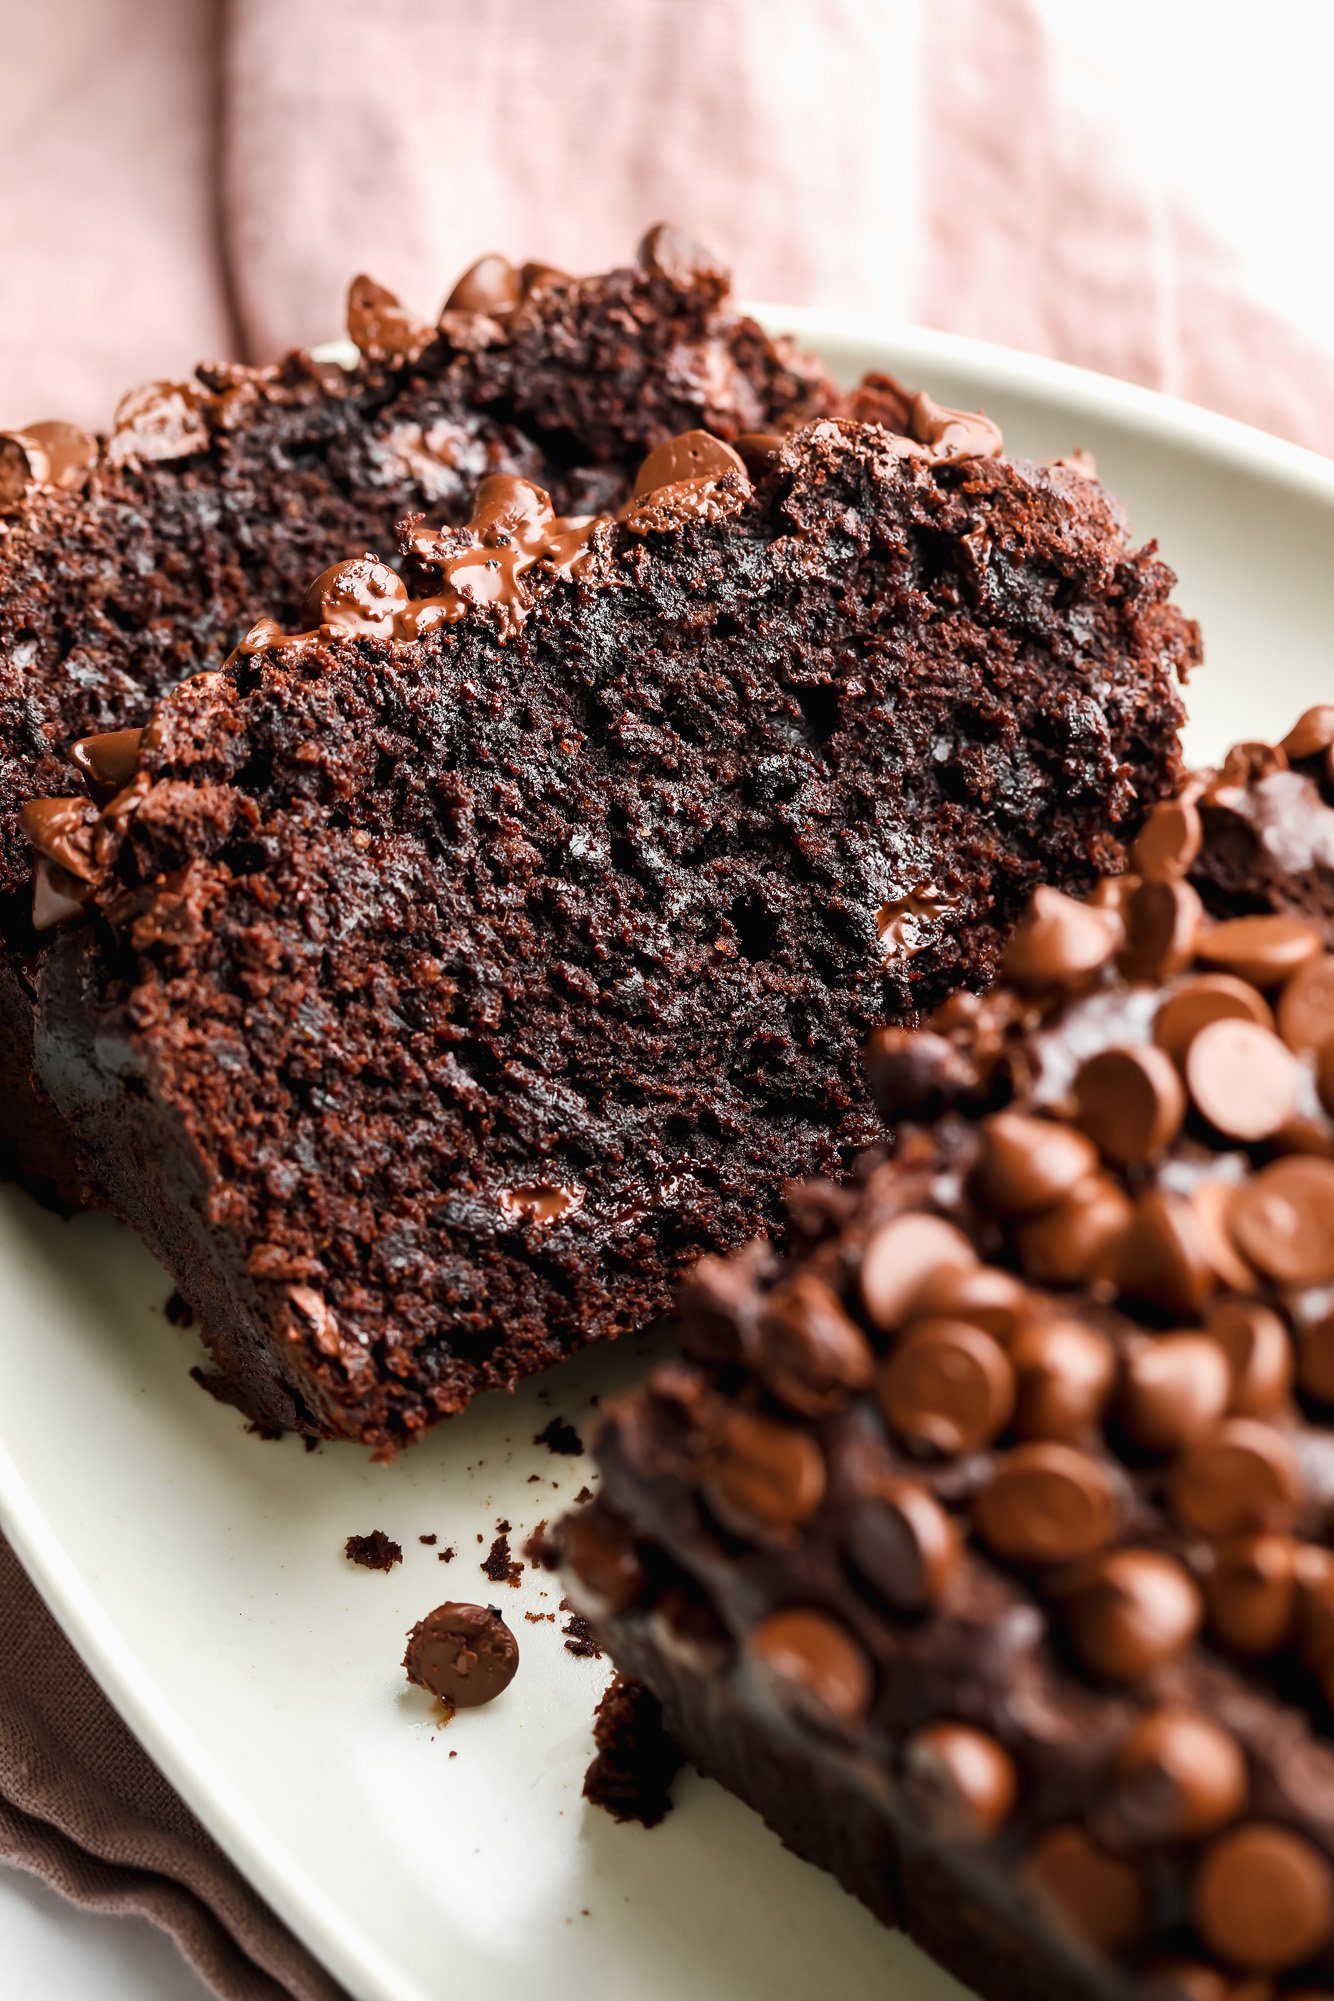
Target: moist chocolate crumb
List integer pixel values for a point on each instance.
(578, 1633)
(537, 1618)
(446, 1555)
(558, 1436)
(429, 1540)
(631, 1775)
(532, 1477)
(311, 1444)
(499, 1565)
(179, 1311)
(375, 1551)
(584, 1494)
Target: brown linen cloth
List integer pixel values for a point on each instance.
(83, 1806)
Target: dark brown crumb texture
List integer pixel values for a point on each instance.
(133, 560)
(636, 1761)
(444, 995)
(375, 1551)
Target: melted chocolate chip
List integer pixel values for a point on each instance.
(464, 1654)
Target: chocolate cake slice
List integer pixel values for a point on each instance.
(130, 561)
(455, 969)
(983, 1540)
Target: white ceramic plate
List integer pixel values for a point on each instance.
(200, 1570)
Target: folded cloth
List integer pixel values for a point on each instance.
(83, 1806)
(202, 180)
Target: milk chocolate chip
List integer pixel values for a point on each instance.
(901, 1256)
(812, 1356)
(904, 1544)
(1046, 1503)
(1283, 1220)
(1210, 997)
(1099, 1896)
(465, 1654)
(1059, 942)
(1263, 1898)
(1242, 1079)
(1241, 1479)
(1252, 1593)
(961, 1780)
(764, 1478)
(1129, 1611)
(1028, 1164)
(1174, 1389)
(1064, 1371)
(1130, 1102)
(1162, 919)
(817, 1663)
(1178, 1775)
(946, 1388)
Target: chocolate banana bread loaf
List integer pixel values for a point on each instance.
(453, 971)
(130, 561)
(983, 1541)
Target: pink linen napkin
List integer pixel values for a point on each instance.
(201, 180)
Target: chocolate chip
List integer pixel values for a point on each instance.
(1168, 844)
(1324, 1073)
(1097, 1896)
(51, 453)
(903, 1543)
(1208, 997)
(983, 1295)
(62, 830)
(817, 1664)
(1311, 734)
(1263, 1898)
(1242, 1079)
(960, 1780)
(901, 1256)
(490, 286)
(1178, 1776)
(914, 1073)
(1306, 1005)
(108, 762)
(946, 1388)
(600, 1549)
(764, 1478)
(720, 1305)
(811, 1355)
(1265, 950)
(1283, 1220)
(669, 253)
(1174, 1390)
(1162, 920)
(464, 1654)
(1046, 1503)
(1028, 1164)
(1210, 1210)
(358, 596)
(1240, 1480)
(1079, 1238)
(1129, 1611)
(377, 323)
(1130, 1102)
(1059, 942)
(1315, 1359)
(695, 455)
(1064, 1371)
(1163, 1259)
(1251, 1593)
(1259, 1355)
(160, 421)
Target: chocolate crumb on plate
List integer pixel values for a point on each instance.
(463, 1654)
(558, 1436)
(429, 1540)
(636, 1761)
(579, 1637)
(179, 1311)
(499, 1565)
(375, 1551)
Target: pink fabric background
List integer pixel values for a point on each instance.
(1138, 189)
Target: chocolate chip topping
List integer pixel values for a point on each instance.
(49, 453)
(903, 1543)
(1177, 1776)
(764, 1478)
(464, 1654)
(1098, 1897)
(1046, 1503)
(815, 1664)
(378, 325)
(1129, 1611)
(491, 286)
(947, 1388)
(961, 1780)
(1264, 1898)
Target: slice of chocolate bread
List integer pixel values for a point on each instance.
(459, 968)
(983, 1541)
(130, 561)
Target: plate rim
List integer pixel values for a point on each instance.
(332, 1934)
